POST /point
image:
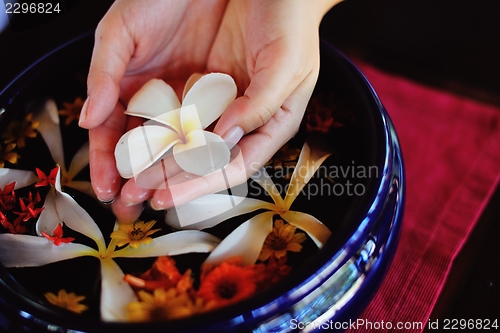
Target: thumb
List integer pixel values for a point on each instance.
(113, 48)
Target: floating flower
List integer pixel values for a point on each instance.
(282, 239)
(47, 180)
(160, 306)
(57, 238)
(248, 238)
(66, 301)
(50, 130)
(227, 284)
(17, 132)
(8, 155)
(72, 110)
(29, 251)
(177, 125)
(134, 234)
(275, 270)
(164, 274)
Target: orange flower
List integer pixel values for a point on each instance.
(72, 110)
(8, 155)
(282, 239)
(161, 305)
(227, 284)
(67, 301)
(17, 132)
(164, 274)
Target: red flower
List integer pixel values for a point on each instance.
(15, 228)
(28, 211)
(164, 274)
(46, 180)
(228, 284)
(7, 197)
(58, 236)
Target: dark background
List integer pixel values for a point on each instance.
(448, 44)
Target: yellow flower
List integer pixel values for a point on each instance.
(134, 234)
(282, 239)
(17, 132)
(72, 110)
(67, 301)
(7, 155)
(161, 305)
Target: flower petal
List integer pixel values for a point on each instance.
(210, 210)
(211, 94)
(79, 161)
(190, 82)
(140, 147)
(27, 251)
(116, 294)
(309, 161)
(264, 180)
(48, 219)
(76, 218)
(156, 100)
(51, 132)
(175, 243)
(311, 225)
(203, 153)
(245, 241)
(21, 177)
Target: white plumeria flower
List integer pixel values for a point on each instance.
(51, 133)
(177, 125)
(247, 240)
(18, 250)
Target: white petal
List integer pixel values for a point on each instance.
(211, 94)
(140, 147)
(264, 180)
(311, 225)
(48, 218)
(309, 161)
(245, 241)
(190, 119)
(204, 153)
(116, 294)
(79, 161)
(21, 177)
(212, 209)
(76, 218)
(51, 132)
(190, 82)
(179, 242)
(156, 100)
(27, 251)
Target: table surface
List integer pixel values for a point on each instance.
(402, 45)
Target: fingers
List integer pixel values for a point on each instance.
(126, 214)
(106, 180)
(113, 49)
(251, 153)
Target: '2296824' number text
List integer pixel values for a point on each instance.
(32, 8)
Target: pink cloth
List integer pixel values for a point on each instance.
(451, 149)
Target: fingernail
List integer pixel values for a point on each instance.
(83, 112)
(233, 136)
(107, 202)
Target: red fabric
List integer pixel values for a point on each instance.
(451, 149)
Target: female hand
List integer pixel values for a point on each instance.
(271, 48)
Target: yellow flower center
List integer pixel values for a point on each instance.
(159, 313)
(278, 243)
(137, 234)
(227, 290)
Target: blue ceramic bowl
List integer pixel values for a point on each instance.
(328, 290)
